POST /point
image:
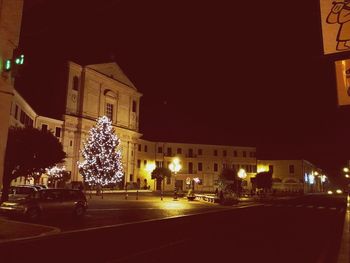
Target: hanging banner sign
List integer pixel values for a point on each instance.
(335, 20)
(342, 71)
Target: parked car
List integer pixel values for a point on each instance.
(45, 202)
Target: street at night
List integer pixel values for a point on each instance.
(303, 229)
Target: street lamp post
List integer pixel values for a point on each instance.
(242, 175)
(175, 167)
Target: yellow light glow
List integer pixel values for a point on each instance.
(346, 169)
(175, 165)
(339, 191)
(150, 167)
(262, 168)
(316, 173)
(347, 176)
(242, 174)
(329, 192)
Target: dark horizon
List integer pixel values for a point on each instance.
(210, 74)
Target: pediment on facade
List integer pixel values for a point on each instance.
(112, 70)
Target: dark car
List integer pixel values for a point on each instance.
(45, 202)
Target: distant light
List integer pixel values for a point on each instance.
(347, 176)
(196, 180)
(329, 192)
(20, 60)
(339, 191)
(306, 179)
(150, 167)
(242, 174)
(323, 178)
(175, 165)
(316, 173)
(346, 169)
(311, 179)
(8, 64)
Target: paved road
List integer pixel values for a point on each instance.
(302, 230)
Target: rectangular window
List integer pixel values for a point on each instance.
(145, 163)
(254, 168)
(200, 167)
(71, 143)
(134, 106)
(215, 152)
(160, 149)
(138, 163)
(291, 169)
(44, 127)
(224, 153)
(16, 112)
(159, 164)
(131, 177)
(190, 152)
(271, 168)
(109, 111)
(179, 151)
(169, 151)
(58, 132)
(22, 117)
(190, 168)
(244, 154)
(145, 148)
(215, 167)
(235, 153)
(139, 147)
(200, 152)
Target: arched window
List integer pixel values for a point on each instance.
(75, 83)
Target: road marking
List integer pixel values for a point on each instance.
(320, 207)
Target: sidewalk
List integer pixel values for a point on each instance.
(16, 230)
(344, 251)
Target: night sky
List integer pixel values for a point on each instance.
(248, 73)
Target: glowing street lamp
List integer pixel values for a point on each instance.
(347, 176)
(242, 174)
(175, 167)
(346, 169)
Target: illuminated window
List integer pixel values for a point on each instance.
(109, 111)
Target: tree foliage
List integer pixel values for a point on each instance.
(229, 181)
(160, 173)
(102, 164)
(29, 152)
(263, 180)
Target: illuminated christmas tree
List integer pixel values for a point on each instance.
(102, 164)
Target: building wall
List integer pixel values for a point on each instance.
(292, 175)
(207, 162)
(10, 27)
(89, 94)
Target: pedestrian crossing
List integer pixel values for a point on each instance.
(306, 206)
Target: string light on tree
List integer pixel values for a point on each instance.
(102, 164)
